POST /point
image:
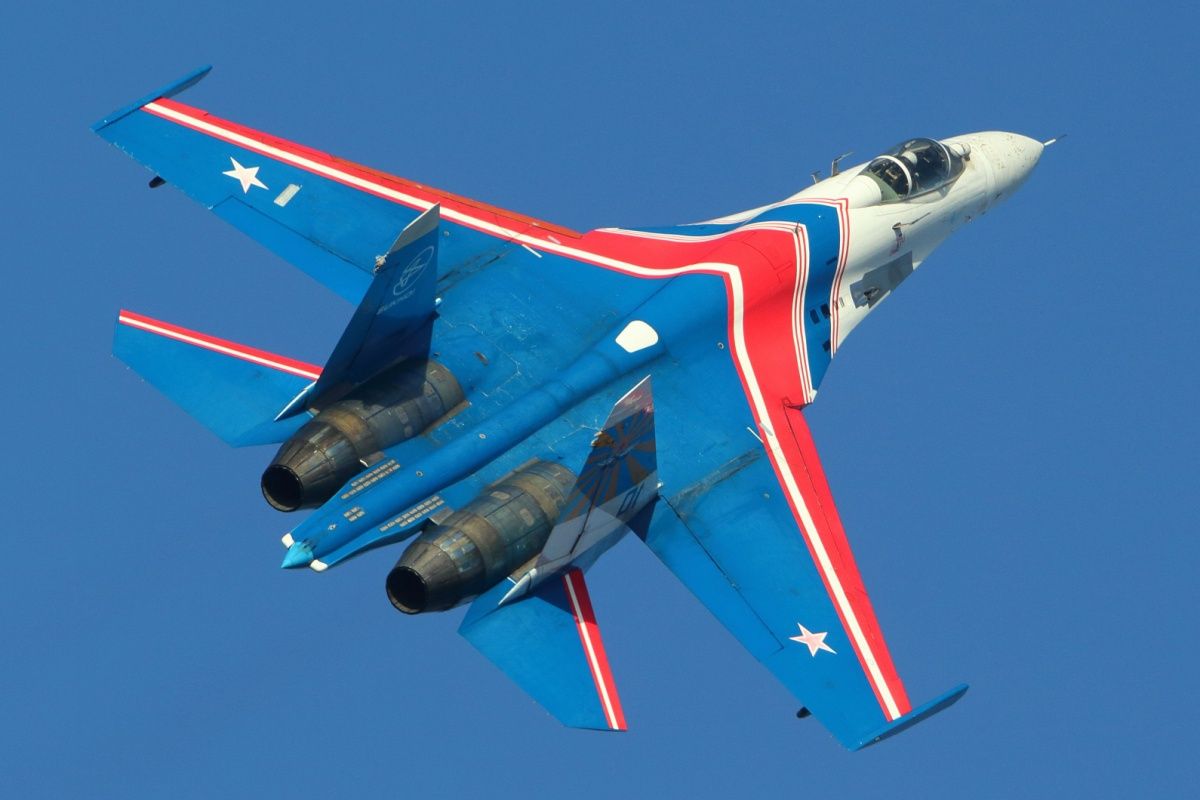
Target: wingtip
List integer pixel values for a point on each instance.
(170, 90)
(939, 703)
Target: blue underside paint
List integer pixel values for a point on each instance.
(733, 542)
(235, 399)
(536, 643)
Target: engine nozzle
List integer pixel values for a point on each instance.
(334, 446)
(476, 546)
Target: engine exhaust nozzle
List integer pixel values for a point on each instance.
(478, 545)
(333, 447)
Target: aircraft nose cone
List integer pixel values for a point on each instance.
(298, 555)
(1011, 157)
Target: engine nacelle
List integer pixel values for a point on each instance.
(332, 448)
(478, 545)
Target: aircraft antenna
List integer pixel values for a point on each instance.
(836, 166)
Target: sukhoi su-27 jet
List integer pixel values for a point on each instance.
(511, 397)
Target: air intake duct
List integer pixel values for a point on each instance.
(334, 446)
(478, 545)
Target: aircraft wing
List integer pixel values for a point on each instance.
(758, 540)
(334, 219)
(328, 216)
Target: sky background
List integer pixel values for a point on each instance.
(1011, 439)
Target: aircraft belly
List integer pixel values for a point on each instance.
(497, 433)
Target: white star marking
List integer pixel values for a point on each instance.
(813, 641)
(247, 176)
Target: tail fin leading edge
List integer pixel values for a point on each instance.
(618, 479)
(392, 323)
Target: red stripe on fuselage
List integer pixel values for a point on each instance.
(843, 211)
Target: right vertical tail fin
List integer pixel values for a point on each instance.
(619, 480)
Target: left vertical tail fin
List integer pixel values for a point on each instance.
(393, 322)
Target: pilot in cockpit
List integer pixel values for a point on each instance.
(914, 167)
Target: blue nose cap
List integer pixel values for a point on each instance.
(298, 555)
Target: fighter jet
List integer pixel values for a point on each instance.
(512, 397)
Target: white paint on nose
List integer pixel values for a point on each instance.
(1011, 156)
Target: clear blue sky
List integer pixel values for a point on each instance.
(1012, 438)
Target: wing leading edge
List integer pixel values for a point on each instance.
(326, 215)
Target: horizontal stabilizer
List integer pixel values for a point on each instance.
(233, 390)
(548, 642)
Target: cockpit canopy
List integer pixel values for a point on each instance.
(914, 167)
